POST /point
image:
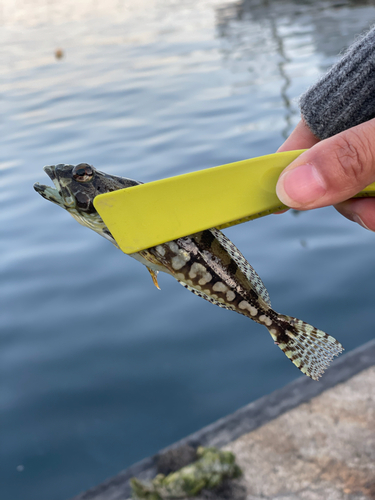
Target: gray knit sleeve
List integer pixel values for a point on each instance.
(345, 96)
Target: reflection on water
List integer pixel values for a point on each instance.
(98, 368)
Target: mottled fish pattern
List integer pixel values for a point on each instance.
(206, 263)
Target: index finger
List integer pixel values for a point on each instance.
(300, 138)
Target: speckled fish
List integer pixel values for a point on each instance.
(206, 263)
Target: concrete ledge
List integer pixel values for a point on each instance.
(244, 420)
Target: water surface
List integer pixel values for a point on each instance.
(98, 368)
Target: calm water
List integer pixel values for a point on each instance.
(98, 368)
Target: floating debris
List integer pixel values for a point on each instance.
(59, 53)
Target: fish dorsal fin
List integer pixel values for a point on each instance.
(244, 266)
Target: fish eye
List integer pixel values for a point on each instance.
(83, 172)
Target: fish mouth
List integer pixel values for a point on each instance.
(50, 193)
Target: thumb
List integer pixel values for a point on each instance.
(331, 171)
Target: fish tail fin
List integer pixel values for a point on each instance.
(310, 349)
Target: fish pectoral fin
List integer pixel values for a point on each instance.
(154, 276)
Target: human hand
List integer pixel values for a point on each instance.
(331, 172)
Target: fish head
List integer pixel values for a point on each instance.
(75, 188)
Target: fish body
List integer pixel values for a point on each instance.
(206, 263)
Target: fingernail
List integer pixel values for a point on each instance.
(300, 186)
(356, 218)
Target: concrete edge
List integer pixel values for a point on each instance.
(244, 420)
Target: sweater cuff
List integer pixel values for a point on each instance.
(345, 96)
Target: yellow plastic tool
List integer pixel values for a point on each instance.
(143, 216)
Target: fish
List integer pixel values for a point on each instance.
(206, 263)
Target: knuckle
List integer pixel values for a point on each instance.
(352, 155)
